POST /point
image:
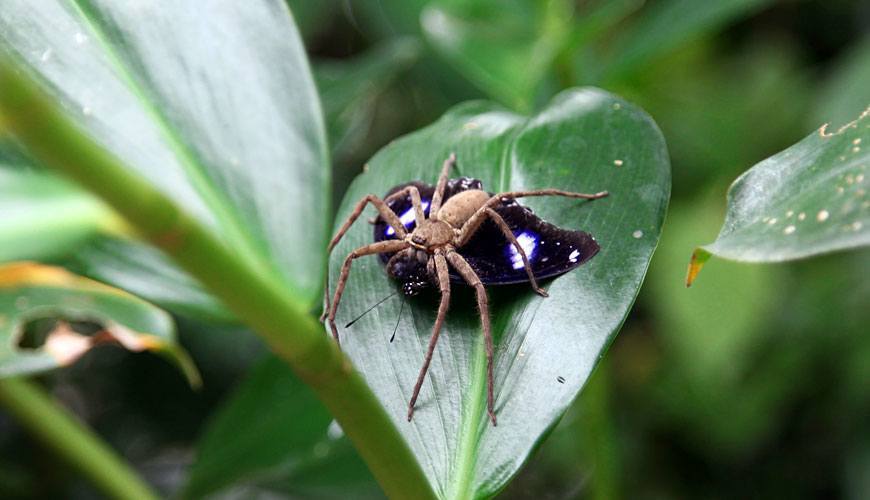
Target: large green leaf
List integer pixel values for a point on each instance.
(216, 107)
(809, 199)
(585, 140)
(273, 435)
(32, 292)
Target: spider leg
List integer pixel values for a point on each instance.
(444, 287)
(500, 222)
(442, 184)
(473, 222)
(467, 272)
(416, 202)
(379, 247)
(388, 215)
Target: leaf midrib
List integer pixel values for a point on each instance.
(227, 221)
(471, 429)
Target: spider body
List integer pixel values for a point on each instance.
(456, 232)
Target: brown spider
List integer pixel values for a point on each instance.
(434, 242)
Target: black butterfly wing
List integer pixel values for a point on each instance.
(551, 250)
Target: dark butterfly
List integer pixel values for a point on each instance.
(456, 232)
(550, 249)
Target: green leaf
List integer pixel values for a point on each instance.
(216, 107)
(273, 435)
(665, 25)
(246, 285)
(585, 140)
(147, 273)
(32, 292)
(43, 216)
(809, 199)
(505, 50)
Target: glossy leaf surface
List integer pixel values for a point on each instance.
(809, 199)
(585, 140)
(31, 292)
(213, 106)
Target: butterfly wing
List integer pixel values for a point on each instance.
(550, 249)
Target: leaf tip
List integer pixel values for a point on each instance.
(699, 258)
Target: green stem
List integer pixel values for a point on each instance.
(57, 429)
(255, 297)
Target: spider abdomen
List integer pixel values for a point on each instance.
(461, 206)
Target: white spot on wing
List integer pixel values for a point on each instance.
(528, 242)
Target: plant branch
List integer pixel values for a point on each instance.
(245, 286)
(79, 446)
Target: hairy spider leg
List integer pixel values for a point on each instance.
(444, 287)
(473, 222)
(442, 184)
(465, 270)
(389, 216)
(416, 201)
(379, 247)
(500, 222)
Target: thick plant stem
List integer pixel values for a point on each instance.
(57, 429)
(244, 286)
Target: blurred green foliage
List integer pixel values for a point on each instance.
(751, 384)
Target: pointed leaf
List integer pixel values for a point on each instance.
(31, 292)
(809, 199)
(216, 107)
(585, 140)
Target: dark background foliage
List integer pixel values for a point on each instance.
(753, 383)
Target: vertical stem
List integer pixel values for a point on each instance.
(256, 297)
(79, 446)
